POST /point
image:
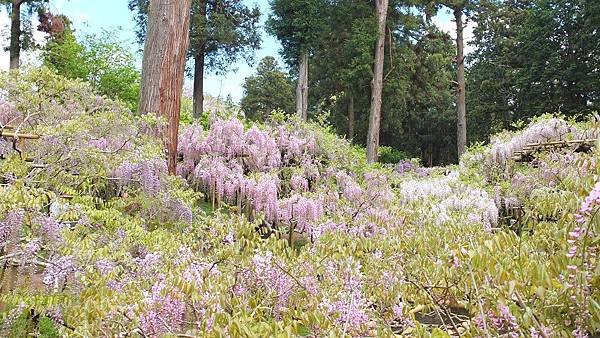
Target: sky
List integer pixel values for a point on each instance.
(93, 16)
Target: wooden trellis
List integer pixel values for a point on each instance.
(18, 137)
(526, 154)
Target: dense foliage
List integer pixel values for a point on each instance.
(223, 31)
(268, 90)
(526, 58)
(532, 57)
(101, 60)
(281, 229)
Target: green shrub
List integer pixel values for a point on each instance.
(389, 155)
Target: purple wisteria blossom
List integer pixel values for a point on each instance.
(502, 321)
(105, 266)
(10, 226)
(51, 228)
(57, 272)
(350, 306)
(164, 312)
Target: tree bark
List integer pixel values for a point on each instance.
(377, 84)
(506, 113)
(305, 89)
(461, 133)
(163, 67)
(15, 34)
(199, 84)
(302, 87)
(351, 117)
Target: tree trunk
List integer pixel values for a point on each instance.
(302, 88)
(461, 134)
(199, 84)
(15, 34)
(163, 67)
(377, 84)
(506, 113)
(305, 89)
(351, 117)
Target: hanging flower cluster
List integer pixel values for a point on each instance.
(50, 228)
(587, 206)
(267, 278)
(299, 183)
(240, 167)
(57, 272)
(300, 210)
(262, 194)
(10, 226)
(164, 312)
(438, 187)
(261, 150)
(149, 173)
(502, 321)
(293, 146)
(350, 189)
(350, 305)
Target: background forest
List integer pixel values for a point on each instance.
(525, 58)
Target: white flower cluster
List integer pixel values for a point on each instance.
(437, 187)
(444, 195)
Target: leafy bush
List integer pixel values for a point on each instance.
(390, 155)
(102, 60)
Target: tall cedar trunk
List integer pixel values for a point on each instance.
(351, 117)
(15, 34)
(461, 133)
(302, 88)
(377, 84)
(163, 67)
(199, 84)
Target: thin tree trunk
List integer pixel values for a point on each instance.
(506, 113)
(305, 89)
(302, 88)
(15, 34)
(351, 117)
(506, 120)
(299, 88)
(163, 67)
(199, 84)
(377, 84)
(461, 134)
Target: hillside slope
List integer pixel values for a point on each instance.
(282, 229)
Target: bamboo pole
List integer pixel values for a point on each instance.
(565, 142)
(19, 135)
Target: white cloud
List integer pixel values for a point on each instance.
(445, 21)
